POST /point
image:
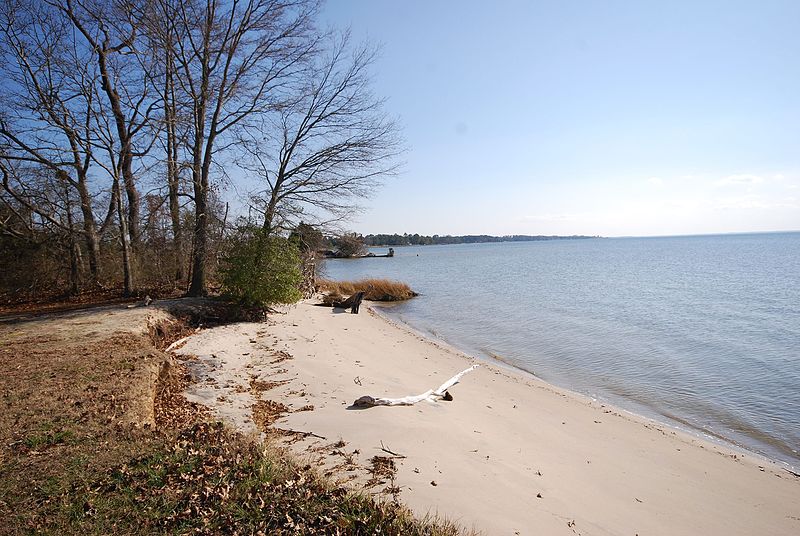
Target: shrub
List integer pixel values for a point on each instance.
(375, 289)
(261, 270)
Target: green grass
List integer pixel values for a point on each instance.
(39, 441)
(208, 480)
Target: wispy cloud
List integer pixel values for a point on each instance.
(655, 181)
(742, 179)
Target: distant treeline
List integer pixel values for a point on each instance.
(422, 240)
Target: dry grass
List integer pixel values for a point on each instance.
(375, 289)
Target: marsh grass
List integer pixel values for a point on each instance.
(375, 289)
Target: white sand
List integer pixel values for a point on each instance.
(506, 438)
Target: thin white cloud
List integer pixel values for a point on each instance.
(655, 181)
(741, 179)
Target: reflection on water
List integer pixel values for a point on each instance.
(702, 330)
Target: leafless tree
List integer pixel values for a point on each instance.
(231, 58)
(110, 31)
(46, 120)
(329, 146)
(163, 40)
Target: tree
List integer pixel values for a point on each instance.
(230, 58)
(333, 144)
(47, 122)
(307, 237)
(110, 31)
(350, 245)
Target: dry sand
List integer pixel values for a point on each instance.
(509, 455)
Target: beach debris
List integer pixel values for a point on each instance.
(388, 451)
(267, 412)
(286, 431)
(431, 395)
(353, 302)
(538, 495)
(382, 468)
(181, 342)
(433, 483)
(357, 380)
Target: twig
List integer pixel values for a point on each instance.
(357, 380)
(300, 432)
(385, 449)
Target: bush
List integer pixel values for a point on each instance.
(261, 270)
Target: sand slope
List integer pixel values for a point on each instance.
(511, 454)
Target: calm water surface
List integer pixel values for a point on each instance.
(703, 331)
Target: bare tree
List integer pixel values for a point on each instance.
(174, 122)
(329, 146)
(46, 119)
(231, 58)
(110, 30)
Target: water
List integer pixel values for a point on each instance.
(703, 331)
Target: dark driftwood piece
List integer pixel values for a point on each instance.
(353, 302)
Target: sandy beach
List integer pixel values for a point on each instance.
(509, 455)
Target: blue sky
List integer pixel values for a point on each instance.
(587, 117)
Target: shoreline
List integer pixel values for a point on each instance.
(511, 454)
(653, 415)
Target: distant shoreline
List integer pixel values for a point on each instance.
(385, 240)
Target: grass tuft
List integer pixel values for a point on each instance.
(375, 289)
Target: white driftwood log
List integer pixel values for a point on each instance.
(431, 395)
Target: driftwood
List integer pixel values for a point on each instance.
(431, 396)
(353, 302)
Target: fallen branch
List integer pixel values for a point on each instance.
(431, 395)
(386, 450)
(300, 433)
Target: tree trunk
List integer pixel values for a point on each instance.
(269, 216)
(173, 179)
(74, 266)
(125, 151)
(74, 249)
(127, 273)
(90, 231)
(198, 284)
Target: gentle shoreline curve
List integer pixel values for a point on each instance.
(636, 410)
(511, 454)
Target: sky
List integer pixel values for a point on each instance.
(612, 118)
